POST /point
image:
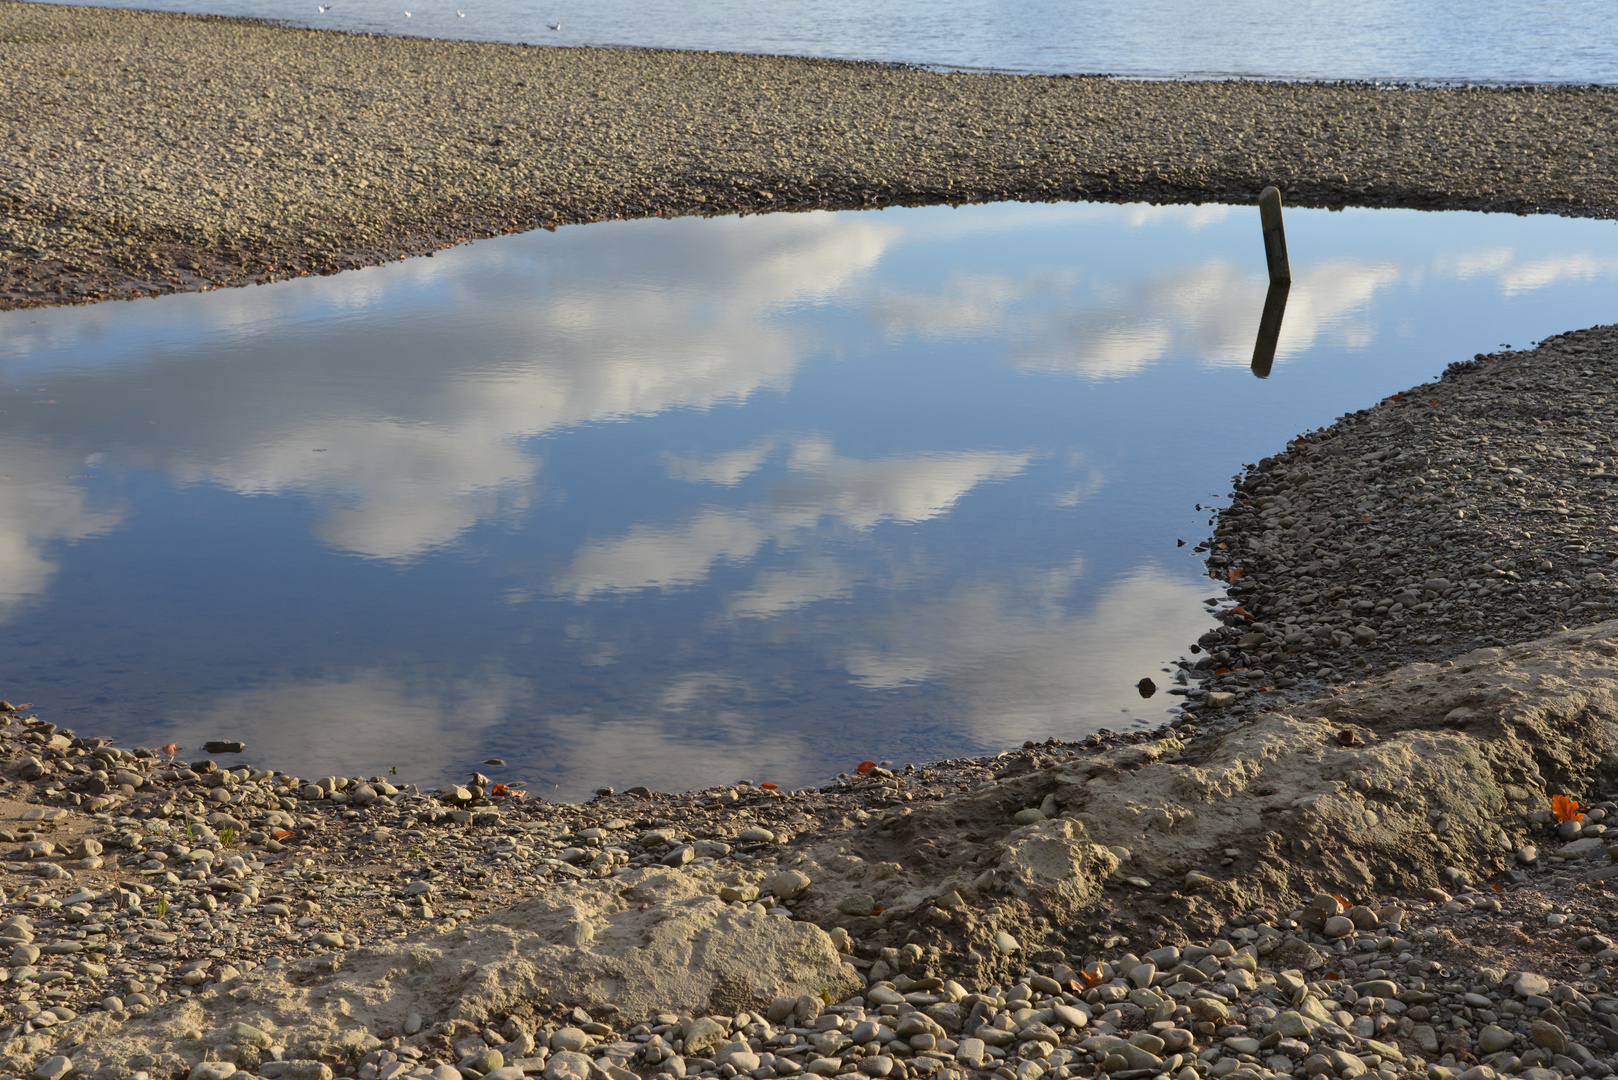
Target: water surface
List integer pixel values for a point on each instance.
(1474, 41)
(681, 502)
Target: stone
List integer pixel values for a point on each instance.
(212, 1070)
(789, 884)
(246, 1034)
(1530, 984)
(971, 1052)
(1314, 1009)
(1005, 944)
(1583, 848)
(1198, 879)
(738, 1055)
(703, 1034)
(1338, 926)
(57, 1066)
(306, 1069)
(1548, 1036)
(567, 1065)
(1426, 1038)
(857, 904)
(570, 1039)
(1494, 1038)
(1030, 816)
(884, 995)
(1070, 1016)
(756, 835)
(1139, 1057)
(880, 1065)
(1297, 953)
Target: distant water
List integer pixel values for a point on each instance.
(1472, 41)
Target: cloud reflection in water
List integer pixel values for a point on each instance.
(698, 499)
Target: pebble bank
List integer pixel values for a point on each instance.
(144, 153)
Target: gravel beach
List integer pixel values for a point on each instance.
(147, 153)
(1474, 511)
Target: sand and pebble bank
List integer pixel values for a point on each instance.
(147, 153)
(1470, 512)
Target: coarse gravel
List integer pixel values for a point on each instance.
(1471, 512)
(146, 152)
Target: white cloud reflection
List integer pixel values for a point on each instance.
(402, 396)
(360, 723)
(1021, 663)
(1206, 313)
(41, 505)
(1516, 274)
(856, 493)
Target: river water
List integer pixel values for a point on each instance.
(680, 502)
(1475, 41)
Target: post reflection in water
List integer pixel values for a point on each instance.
(1269, 329)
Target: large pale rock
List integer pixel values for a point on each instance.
(659, 940)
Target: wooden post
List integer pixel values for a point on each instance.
(1275, 237)
(1269, 329)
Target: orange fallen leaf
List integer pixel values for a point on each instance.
(1566, 809)
(1092, 978)
(877, 909)
(1345, 901)
(1331, 976)
(1497, 887)
(864, 767)
(1235, 573)
(499, 789)
(281, 834)
(1221, 671)
(767, 786)
(171, 749)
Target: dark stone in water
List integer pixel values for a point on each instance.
(1146, 687)
(223, 746)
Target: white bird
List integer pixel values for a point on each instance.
(461, 13)
(325, 7)
(407, 14)
(553, 26)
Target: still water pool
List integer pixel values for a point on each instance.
(682, 502)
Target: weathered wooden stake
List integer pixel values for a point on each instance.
(1275, 237)
(1269, 329)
